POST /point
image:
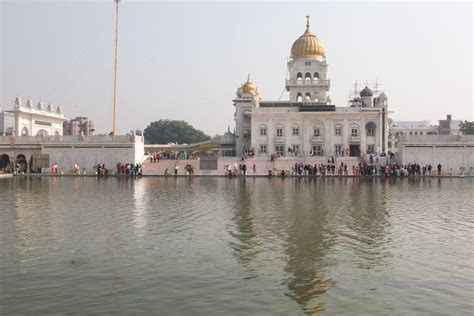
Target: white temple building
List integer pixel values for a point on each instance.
(308, 124)
(31, 120)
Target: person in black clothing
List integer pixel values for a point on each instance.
(439, 169)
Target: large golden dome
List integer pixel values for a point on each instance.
(308, 45)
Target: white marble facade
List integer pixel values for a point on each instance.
(37, 120)
(308, 124)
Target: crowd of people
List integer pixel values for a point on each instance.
(129, 169)
(395, 169)
(240, 169)
(365, 169)
(155, 157)
(249, 153)
(321, 169)
(165, 155)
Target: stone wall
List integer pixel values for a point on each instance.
(87, 151)
(453, 152)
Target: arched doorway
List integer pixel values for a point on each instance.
(24, 131)
(5, 163)
(42, 132)
(21, 163)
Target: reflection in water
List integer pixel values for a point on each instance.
(316, 216)
(219, 246)
(139, 212)
(366, 233)
(310, 236)
(247, 244)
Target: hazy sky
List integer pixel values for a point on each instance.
(185, 60)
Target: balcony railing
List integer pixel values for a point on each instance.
(279, 138)
(354, 138)
(290, 82)
(317, 138)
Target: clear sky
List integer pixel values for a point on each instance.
(185, 60)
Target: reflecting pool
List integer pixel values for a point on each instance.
(218, 246)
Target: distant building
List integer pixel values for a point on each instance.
(7, 123)
(79, 125)
(420, 128)
(449, 126)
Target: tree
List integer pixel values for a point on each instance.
(169, 131)
(466, 128)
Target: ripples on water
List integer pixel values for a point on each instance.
(214, 246)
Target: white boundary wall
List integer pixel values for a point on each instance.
(453, 152)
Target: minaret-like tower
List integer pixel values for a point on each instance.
(307, 69)
(247, 97)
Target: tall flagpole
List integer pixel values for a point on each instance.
(116, 59)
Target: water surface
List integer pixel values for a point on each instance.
(218, 246)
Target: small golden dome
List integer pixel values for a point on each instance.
(249, 87)
(308, 45)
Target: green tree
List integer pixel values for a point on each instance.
(169, 131)
(466, 127)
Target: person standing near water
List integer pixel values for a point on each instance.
(439, 169)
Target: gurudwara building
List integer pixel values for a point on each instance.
(308, 124)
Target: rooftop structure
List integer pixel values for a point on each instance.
(37, 120)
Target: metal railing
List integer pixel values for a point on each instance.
(69, 139)
(308, 82)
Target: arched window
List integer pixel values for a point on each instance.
(355, 131)
(299, 97)
(279, 131)
(307, 77)
(24, 131)
(263, 130)
(42, 132)
(338, 130)
(295, 130)
(316, 77)
(370, 127)
(307, 97)
(299, 77)
(246, 134)
(318, 130)
(315, 97)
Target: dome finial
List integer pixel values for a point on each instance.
(248, 77)
(308, 21)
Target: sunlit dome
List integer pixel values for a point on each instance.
(308, 45)
(249, 87)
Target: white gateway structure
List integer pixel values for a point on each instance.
(308, 124)
(37, 121)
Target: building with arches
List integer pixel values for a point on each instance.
(37, 120)
(308, 124)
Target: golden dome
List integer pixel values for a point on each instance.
(249, 87)
(308, 45)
